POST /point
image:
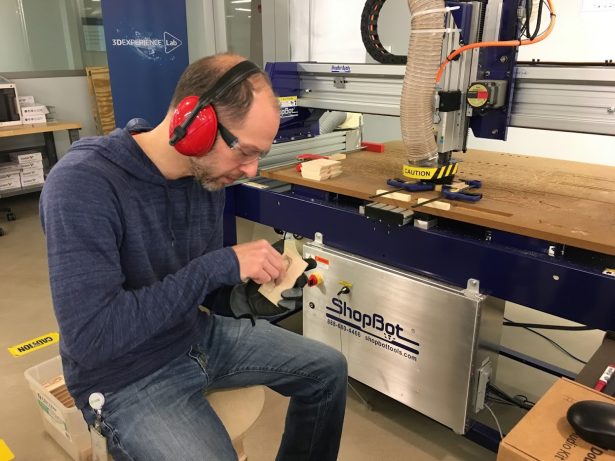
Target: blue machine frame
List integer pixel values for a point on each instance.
(508, 266)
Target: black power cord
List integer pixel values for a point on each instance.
(528, 327)
(499, 396)
(544, 326)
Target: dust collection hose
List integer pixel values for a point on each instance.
(424, 51)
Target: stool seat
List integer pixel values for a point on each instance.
(238, 408)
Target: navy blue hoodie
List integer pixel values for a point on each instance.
(131, 257)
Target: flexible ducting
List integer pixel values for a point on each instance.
(417, 95)
(330, 120)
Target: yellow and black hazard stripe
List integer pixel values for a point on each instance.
(34, 344)
(430, 173)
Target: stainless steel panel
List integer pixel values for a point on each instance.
(408, 337)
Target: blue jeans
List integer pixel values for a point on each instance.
(165, 416)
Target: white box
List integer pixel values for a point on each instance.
(31, 173)
(12, 181)
(33, 165)
(26, 101)
(65, 425)
(32, 180)
(31, 119)
(9, 168)
(34, 110)
(26, 157)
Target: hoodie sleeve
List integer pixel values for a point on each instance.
(99, 319)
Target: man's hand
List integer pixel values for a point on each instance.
(247, 302)
(259, 262)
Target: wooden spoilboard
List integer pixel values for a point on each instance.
(559, 201)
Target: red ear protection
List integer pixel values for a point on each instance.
(194, 125)
(200, 133)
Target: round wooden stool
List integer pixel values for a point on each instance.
(238, 409)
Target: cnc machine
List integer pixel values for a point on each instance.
(417, 308)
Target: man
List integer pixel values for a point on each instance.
(134, 237)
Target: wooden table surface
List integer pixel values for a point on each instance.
(18, 130)
(559, 201)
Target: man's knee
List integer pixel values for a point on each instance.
(336, 366)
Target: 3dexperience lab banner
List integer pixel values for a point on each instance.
(147, 51)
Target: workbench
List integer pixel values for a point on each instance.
(541, 236)
(47, 130)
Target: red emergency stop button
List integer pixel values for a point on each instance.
(314, 279)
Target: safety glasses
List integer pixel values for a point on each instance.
(233, 143)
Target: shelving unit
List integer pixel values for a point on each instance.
(48, 149)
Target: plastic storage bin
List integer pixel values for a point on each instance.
(65, 425)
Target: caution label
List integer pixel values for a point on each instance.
(415, 172)
(5, 452)
(34, 344)
(426, 174)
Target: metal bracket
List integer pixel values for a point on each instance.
(472, 289)
(318, 239)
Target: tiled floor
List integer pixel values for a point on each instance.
(385, 430)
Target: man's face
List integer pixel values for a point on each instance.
(224, 165)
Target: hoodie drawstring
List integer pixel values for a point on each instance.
(169, 214)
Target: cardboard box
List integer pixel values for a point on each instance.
(39, 118)
(29, 172)
(9, 182)
(33, 165)
(34, 110)
(26, 157)
(544, 432)
(30, 181)
(26, 101)
(8, 169)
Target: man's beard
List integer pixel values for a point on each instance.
(203, 176)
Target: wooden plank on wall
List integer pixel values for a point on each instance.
(102, 101)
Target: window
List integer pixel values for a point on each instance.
(51, 35)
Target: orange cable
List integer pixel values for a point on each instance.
(540, 38)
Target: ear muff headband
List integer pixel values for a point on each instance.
(194, 125)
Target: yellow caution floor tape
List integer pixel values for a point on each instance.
(5, 452)
(34, 344)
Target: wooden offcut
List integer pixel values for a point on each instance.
(56, 386)
(555, 200)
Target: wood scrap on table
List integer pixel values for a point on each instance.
(321, 169)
